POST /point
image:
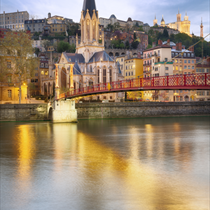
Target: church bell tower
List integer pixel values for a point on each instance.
(89, 31)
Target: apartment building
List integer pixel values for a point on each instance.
(35, 25)
(14, 21)
(133, 68)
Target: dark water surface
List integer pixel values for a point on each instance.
(126, 164)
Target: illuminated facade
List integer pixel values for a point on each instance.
(182, 26)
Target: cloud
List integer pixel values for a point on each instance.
(136, 9)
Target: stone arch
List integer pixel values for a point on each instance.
(111, 54)
(117, 54)
(122, 53)
(50, 114)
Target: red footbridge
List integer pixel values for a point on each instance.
(174, 82)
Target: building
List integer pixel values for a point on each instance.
(202, 67)
(112, 20)
(157, 62)
(182, 26)
(14, 21)
(35, 25)
(133, 68)
(90, 65)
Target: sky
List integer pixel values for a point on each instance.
(136, 9)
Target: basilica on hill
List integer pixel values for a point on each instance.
(182, 26)
(91, 64)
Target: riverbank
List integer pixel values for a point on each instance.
(141, 109)
(39, 112)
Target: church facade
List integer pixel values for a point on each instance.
(182, 26)
(90, 65)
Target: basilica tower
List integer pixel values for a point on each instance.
(155, 21)
(89, 31)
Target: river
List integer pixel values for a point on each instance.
(121, 164)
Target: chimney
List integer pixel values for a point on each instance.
(160, 42)
(168, 42)
(191, 48)
(49, 15)
(179, 46)
(153, 44)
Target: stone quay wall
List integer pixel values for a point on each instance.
(23, 112)
(39, 112)
(141, 109)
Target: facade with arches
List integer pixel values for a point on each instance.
(90, 65)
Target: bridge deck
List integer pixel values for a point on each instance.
(174, 82)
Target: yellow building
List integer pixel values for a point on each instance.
(133, 68)
(9, 93)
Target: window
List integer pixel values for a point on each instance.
(46, 73)
(166, 74)
(185, 61)
(42, 65)
(203, 71)
(193, 61)
(9, 79)
(126, 74)
(42, 72)
(189, 67)
(110, 75)
(166, 68)
(131, 73)
(98, 76)
(156, 69)
(184, 54)
(188, 61)
(193, 67)
(9, 65)
(91, 68)
(9, 94)
(166, 59)
(197, 70)
(192, 55)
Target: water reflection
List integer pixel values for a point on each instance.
(102, 165)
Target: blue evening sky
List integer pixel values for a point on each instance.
(136, 9)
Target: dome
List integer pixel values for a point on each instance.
(129, 20)
(113, 16)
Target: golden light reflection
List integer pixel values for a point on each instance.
(150, 137)
(134, 143)
(150, 190)
(26, 142)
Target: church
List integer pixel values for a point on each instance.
(90, 65)
(182, 26)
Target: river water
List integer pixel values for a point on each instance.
(125, 164)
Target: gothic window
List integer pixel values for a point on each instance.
(90, 82)
(98, 76)
(110, 75)
(94, 30)
(63, 78)
(104, 75)
(91, 68)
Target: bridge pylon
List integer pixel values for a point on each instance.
(64, 111)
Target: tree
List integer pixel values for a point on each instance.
(18, 48)
(127, 45)
(65, 46)
(36, 51)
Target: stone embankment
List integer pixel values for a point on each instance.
(141, 109)
(23, 112)
(39, 112)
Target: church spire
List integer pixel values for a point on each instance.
(90, 6)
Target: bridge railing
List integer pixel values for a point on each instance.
(165, 82)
